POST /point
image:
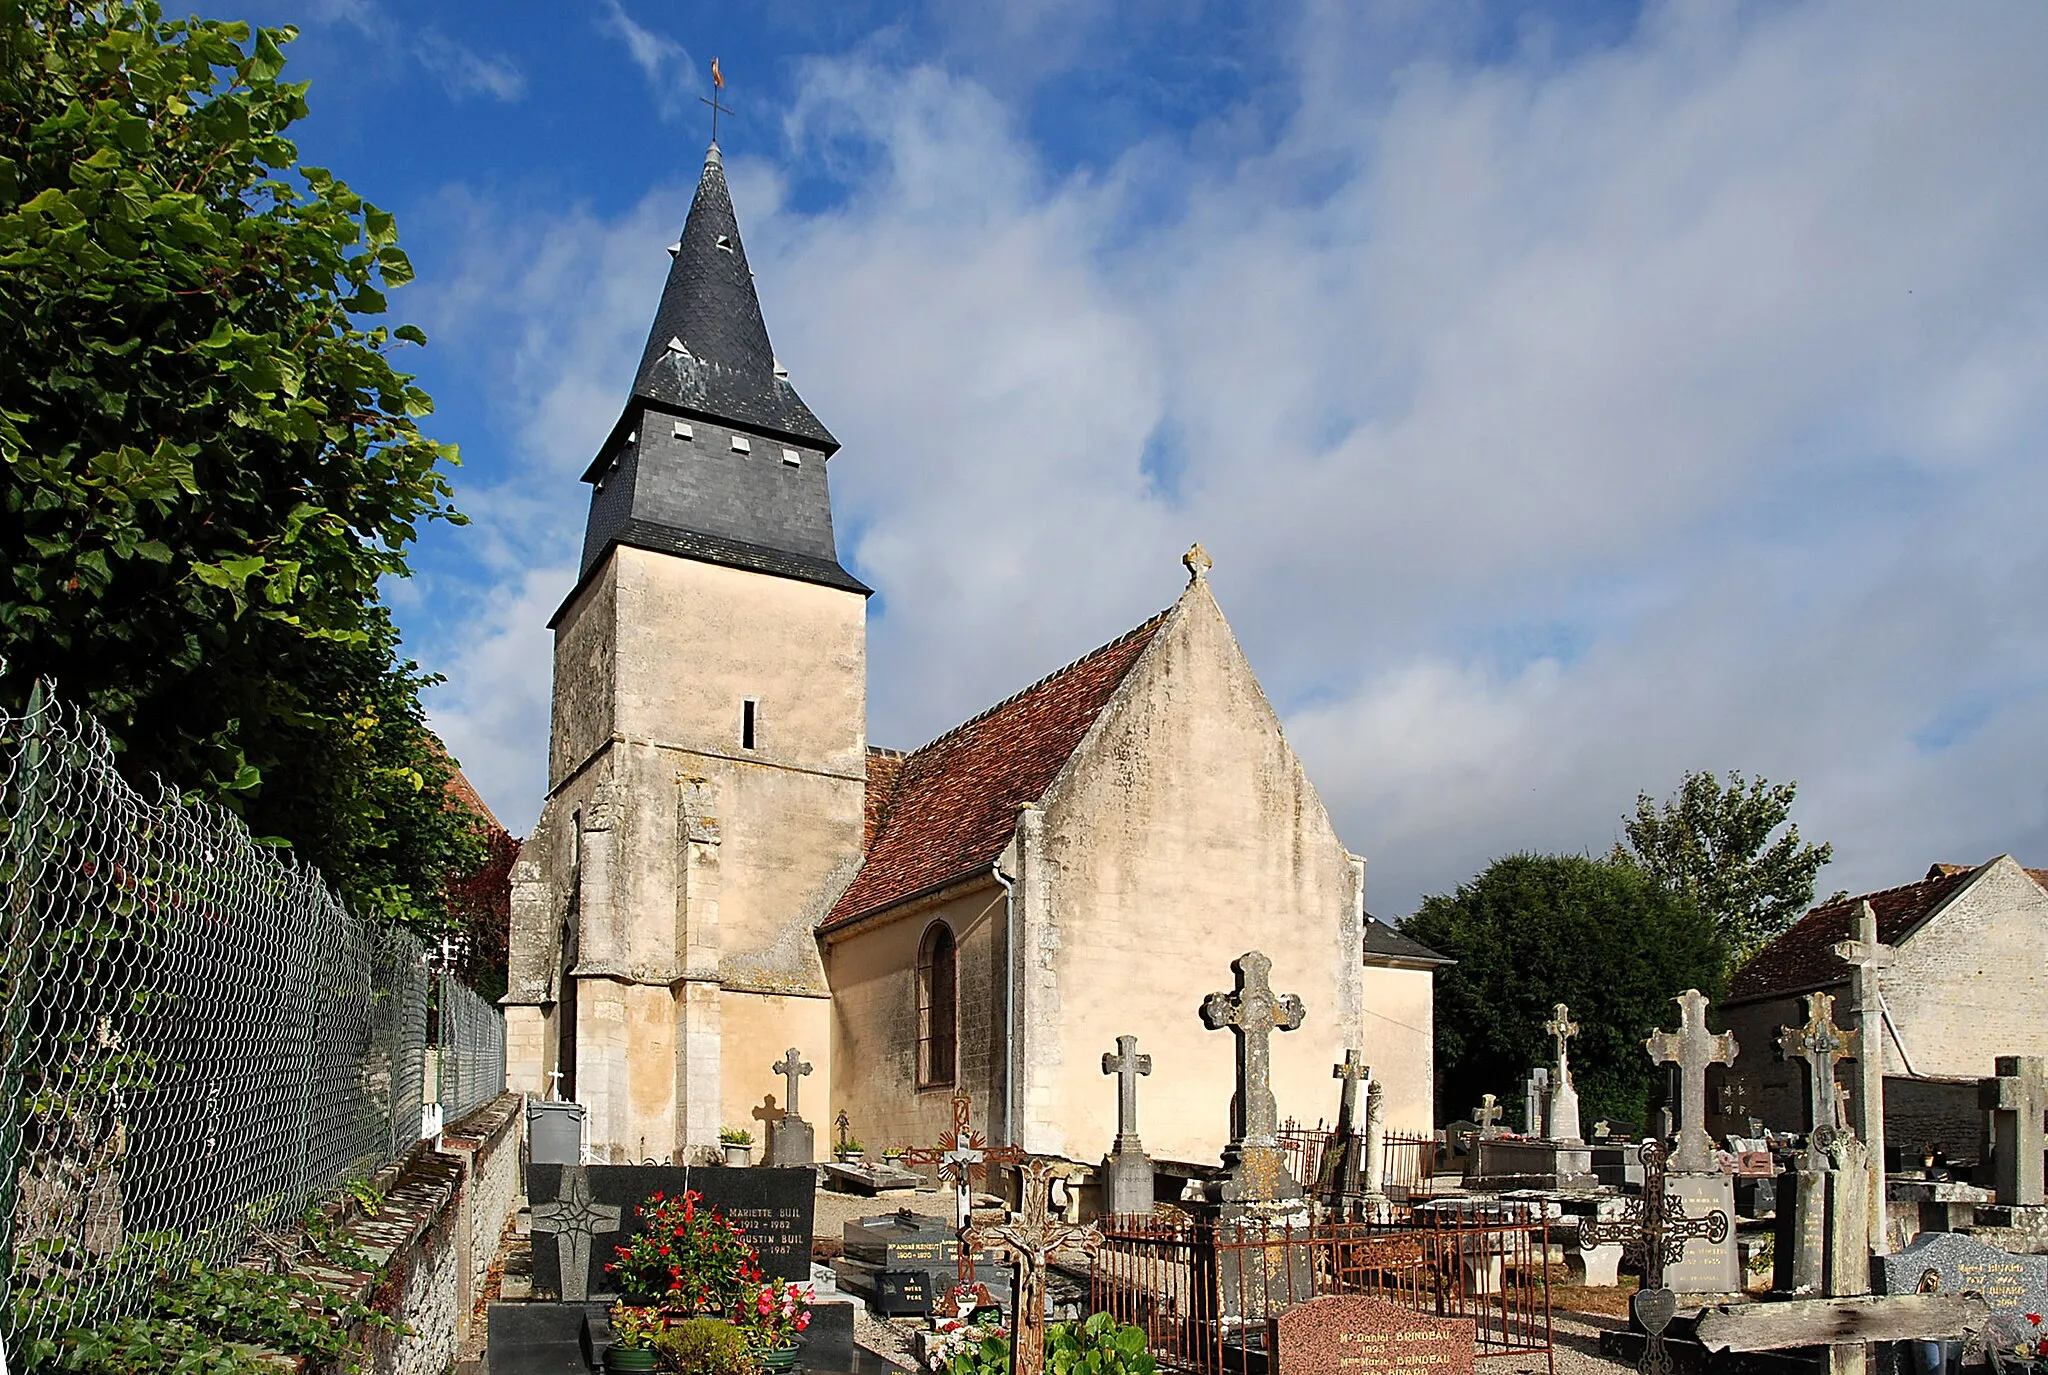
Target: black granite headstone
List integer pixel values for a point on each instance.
(1951, 1263)
(539, 1339)
(772, 1207)
(903, 1240)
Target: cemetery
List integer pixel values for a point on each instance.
(769, 1048)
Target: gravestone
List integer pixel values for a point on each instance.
(1338, 1174)
(1350, 1332)
(1375, 1169)
(1561, 1113)
(1705, 1266)
(1028, 1243)
(1487, 1117)
(1127, 1174)
(1535, 1096)
(1869, 958)
(1692, 1048)
(772, 1207)
(790, 1139)
(1951, 1263)
(2016, 1099)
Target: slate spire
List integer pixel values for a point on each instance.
(708, 351)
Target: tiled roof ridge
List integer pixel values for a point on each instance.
(1949, 871)
(1802, 955)
(1144, 628)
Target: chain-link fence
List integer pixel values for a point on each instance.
(472, 1051)
(199, 1039)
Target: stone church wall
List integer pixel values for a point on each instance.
(1400, 1045)
(1182, 834)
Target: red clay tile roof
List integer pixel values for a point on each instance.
(1802, 957)
(951, 807)
(470, 800)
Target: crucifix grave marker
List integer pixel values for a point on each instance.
(1253, 1012)
(963, 1157)
(1692, 1048)
(1821, 1044)
(1654, 1229)
(575, 1222)
(1029, 1244)
(2016, 1098)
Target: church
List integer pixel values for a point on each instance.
(724, 868)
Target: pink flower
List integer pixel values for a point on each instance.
(765, 1303)
(803, 1320)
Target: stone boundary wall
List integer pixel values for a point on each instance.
(432, 1241)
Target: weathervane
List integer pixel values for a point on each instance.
(717, 85)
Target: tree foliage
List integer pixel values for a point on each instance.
(211, 459)
(1723, 846)
(1535, 930)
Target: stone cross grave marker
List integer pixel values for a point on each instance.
(1338, 1172)
(1253, 1012)
(2016, 1099)
(792, 1069)
(1869, 957)
(963, 1157)
(1561, 1117)
(575, 1222)
(1126, 1064)
(1029, 1244)
(1822, 1045)
(1655, 1232)
(1535, 1094)
(1692, 1048)
(1487, 1114)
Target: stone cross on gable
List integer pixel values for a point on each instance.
(1563, 1028)
(792, 1068)
(1821, 1044)
(2016, 1099)
(1869, 958)
(575, 1221)
(1253, 1011)
(1486, 1114)
(1029, 1243)
(1126, 1064)
(1692, 1048)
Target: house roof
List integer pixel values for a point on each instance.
(1802, 957)
(1385, 944)
(948, 809)
(720, 363)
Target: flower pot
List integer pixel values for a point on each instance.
(738, 1153)
(778, 1358)
(619, 1360)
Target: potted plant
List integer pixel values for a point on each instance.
(893, 1157)
(706, 1346)
(849, 1151)
(738, 1145)
(688, 1259)
(774, 1319)
(634, 1332)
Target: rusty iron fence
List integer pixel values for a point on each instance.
(1204, 1290)
(1407, 1159)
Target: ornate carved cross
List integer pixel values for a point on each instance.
(1563, 1028)
(1254, 1012)
(792, 1068)
(963, 1157)
(1692, 1048)
(1029, 1243)
(1821, 1044)
(1654, 1232)
(575, 1221)
(1126, 1064)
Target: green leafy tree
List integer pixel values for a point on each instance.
(211, 461)
(1725, 847)
(1535, 930)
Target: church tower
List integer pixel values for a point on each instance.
(707, 753)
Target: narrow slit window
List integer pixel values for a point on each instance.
(749, 715)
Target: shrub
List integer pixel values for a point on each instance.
(690, 1259)
(1099, 1346)
(705, 1346)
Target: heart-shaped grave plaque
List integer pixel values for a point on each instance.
(1655, 1308)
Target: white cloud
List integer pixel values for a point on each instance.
(1558, 424)
(670, 72)
(461, 69)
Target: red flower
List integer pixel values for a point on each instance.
(2034, 1318)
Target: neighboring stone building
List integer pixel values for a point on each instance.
(724, 869)
(1968, 986)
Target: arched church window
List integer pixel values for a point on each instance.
(937, 1006)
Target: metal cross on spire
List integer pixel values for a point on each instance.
(1692, 1048)
(717, 85)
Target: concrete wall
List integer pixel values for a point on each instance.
(1400, 1045)
(873, 970)
(1182, 833)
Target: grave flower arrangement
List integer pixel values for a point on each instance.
(689, 1259)
(775, 1316)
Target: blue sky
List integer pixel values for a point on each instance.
(1570, 395)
